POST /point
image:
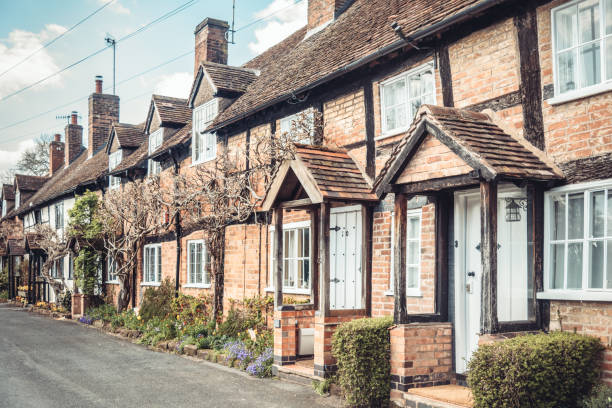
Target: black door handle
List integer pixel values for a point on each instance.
(471, 273)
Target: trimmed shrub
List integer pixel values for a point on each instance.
(157, 302)
(601, 397)
(537, 370)
(362, 350)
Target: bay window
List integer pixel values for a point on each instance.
(204, 146)
(579, 239)
(152, 264)
(582, 43)
(402, 95)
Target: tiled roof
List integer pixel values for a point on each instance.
(471, 135)
(172, 111)
(8, 192)
(128, 135)
(183, 135)
(16, 247)
(335, 173)
(32, 241)
(361, 32)
(228, 78)
(29, 183)
(82, 171)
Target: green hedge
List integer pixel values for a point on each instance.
(537, 370)
(362, 350)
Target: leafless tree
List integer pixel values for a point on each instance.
(128, 216)
(55, 246)
(35, 160)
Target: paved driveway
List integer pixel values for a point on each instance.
(49, 363)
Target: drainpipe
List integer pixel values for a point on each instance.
(178, 232)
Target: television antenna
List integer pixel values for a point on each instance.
(111, 42)
(231, 30)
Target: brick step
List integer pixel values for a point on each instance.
(287, 374)
(444, 396)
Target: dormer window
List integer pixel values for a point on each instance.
(204, 146)
(155, 141)
(290, 122)
(17, 199)
(113, 161)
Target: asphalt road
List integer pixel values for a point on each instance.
(51, 363)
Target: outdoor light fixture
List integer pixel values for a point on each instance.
(513, 208)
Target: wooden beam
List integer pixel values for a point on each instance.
(399, 260)
(542, 312)
(314, 250)
(278, 258)
(296, 203)
(444, 205)
(366, 259)
(446, 77)
(434, 185)
(488, 253)
(368, 103)
(324, 259)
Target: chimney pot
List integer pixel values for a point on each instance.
(98, 83)
(74, 117)
(58, 137)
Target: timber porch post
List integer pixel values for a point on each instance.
(488, 253)
(399, 260)
(324, 260)
(278, 258)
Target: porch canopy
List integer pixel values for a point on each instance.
(447, 149)
(317, 179)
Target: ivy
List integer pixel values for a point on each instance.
(86, 271)
(84, 221)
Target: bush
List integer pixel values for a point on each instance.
(601, 397)
(66, 300)
(86, 271)
(4, 282)
(4, 294)
(362, 350)
(156, 330)
(538, 370)
(105, 312)
(157, 302)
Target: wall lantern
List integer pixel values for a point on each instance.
(513, 208)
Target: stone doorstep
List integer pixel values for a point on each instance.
(450, 396)
(296, 374)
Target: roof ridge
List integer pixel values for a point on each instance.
(240, 68)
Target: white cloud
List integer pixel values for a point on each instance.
(19, 45)
(177, 85)
(286, 20)
(9, 158)
(116, 7)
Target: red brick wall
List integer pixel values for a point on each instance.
(590, 318)
(578, 128)
(286, 337)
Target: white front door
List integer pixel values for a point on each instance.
(468, 275)
(345, 239)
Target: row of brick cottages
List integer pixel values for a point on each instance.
(463, 222)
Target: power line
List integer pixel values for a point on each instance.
(268, 16)
(169, 14)
(58, 37)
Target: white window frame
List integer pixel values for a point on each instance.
(4, 205)
(113, 161)
(290, 290)
(70, 267)
(285, 124)
(156, 281)
(111, 265)
(204, 146)
(603, 86)
(386, 132)
(206, 281)
(156, 139)
(17, 198)
(59, 215)
(585, 293)
(410, 292)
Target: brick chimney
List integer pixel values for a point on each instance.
(103, 111)
(321, 12)
(73, 139)
(210, 42)
(56, 155)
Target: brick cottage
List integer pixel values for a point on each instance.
(463, 184)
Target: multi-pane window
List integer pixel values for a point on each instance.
(304, 131)
(197, 263)
(413, 250)
(4, 207)
(155, 141)
(59, 215)
(204, 146)
(111, 270)
(17, 199)
(113, 161)
(152, 264)
(57, 270)
(402, 96)
(70, 267)
(582, 44)
(580, 240)
(296, 258)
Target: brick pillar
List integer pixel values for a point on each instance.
(421, 356)
(73, 139)
(103, 112)
(285, 337)
(210, 42)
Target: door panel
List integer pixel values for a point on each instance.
(345, 258)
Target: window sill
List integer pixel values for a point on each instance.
(196, 163)
(580, 93)
(580, 295)
(113, 282)
(409, 293)
(197, 285)
(150, 284)
(392, 133)
(291, 291)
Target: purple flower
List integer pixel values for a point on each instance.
(261, 365)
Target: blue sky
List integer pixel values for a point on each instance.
(26, 25)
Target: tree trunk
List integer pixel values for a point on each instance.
(123, 298)
(218, 271)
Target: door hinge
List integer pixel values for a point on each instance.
(336, 228)
(456, 244)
